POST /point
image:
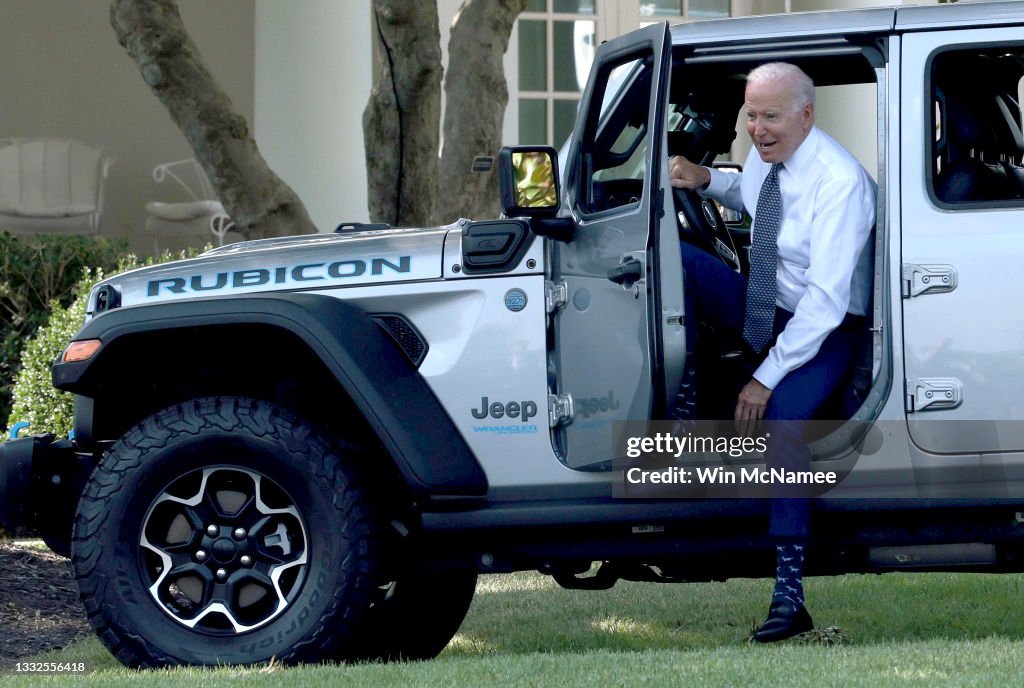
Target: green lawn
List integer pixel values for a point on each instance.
(523, 630)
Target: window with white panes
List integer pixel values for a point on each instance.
(557, 40)
(686, 10)
(556, 43)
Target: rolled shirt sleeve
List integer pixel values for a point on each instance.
(724, 187)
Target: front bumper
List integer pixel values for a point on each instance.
(15, 474)
(41, 480)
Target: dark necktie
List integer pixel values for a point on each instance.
(760, 308)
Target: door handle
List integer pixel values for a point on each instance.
(627, 272)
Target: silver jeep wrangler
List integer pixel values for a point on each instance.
(303, 448)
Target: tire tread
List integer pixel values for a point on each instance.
(326, 461)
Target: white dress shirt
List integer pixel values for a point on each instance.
(828, 211)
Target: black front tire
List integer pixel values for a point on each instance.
(225, 531)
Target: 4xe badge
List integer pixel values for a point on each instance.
(515, 300)
(589, 406)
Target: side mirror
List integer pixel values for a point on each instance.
(528, 176)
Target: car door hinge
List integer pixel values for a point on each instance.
(927, 279)
(933, 394)
(556, 295)
(560, 409)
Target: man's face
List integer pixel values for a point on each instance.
(774, 127)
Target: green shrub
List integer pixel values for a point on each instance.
(36, 272)
(35, 400)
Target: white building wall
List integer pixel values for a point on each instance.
(63, 75)
(299, 70)
(313, 77)
(314, 72)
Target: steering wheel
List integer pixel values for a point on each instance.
(702, 222)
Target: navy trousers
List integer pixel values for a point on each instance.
(717, 295)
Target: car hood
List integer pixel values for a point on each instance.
(323, 261)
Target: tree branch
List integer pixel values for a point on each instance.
(259, 202)
(400, 122)
(476, 94)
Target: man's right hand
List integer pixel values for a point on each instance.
(750, 406)
(683, 174)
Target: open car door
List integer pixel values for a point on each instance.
(621, 269)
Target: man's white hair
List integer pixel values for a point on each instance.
(803, 87)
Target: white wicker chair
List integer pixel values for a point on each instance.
(52, 186)
(201, 219)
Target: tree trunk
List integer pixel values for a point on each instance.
(260, 204)
(400, 122)
(476, 94)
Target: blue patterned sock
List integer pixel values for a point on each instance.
(685, 405)
(789, 574)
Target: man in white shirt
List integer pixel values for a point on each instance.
(816, 205)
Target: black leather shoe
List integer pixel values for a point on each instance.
(784, 621)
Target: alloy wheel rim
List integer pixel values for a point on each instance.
(223, 550)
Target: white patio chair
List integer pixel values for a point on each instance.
(52, 186)
(197, 220)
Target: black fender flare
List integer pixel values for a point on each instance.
(393, 397)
